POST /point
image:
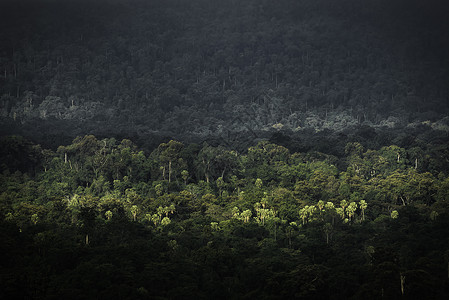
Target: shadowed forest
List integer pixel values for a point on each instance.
(290, 149)
(229, 71)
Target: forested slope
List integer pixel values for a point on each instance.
(103, 219)
(230, 70)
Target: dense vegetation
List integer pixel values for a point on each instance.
(271, 149)
(232, 69)
(100, 219)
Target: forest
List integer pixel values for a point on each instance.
(100, 218)
(201, 149)
(226, 71)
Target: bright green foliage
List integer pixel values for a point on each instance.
(134, 211)
(214, 226)
(34, 219)
(245, 218)
(341, 212)
(304, 213)
(329, 206)
(165, 221)
(363, 206)
(394, 214)
(320, 205)
(108, 214)
(246, 215)
(352, 207)
(258, 183)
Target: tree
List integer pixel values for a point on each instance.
(170, 153)
(303, 213)
(327, 228)
(363, 205)
(246, 215)
(108, 214)
(134, 211)
(394, 214)
(352, 207)
(34, 219)
(159, 188)
(341, 212)
(185, 176)
(258, 183)
(320, 205)
(165, 221)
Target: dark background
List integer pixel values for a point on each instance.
(223, 71)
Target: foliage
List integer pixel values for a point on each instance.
(244, 232)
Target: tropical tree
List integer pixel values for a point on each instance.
(165, 221)
(394, 214)
(134, 211)
(363, 205)
(304, 213)
(185, 176)
(246, 215)
(352, 207)
(108, 214)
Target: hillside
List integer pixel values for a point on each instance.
(230, 72)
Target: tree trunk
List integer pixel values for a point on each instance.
(402, 284)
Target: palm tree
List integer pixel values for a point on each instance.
(341, 212)
(155, 218)
(235, 212)
(351, 209)
(160, 212)
(363, 205)
(172, 208)
(165, 221)
(166, 210)
(343, 204)
(108, 214)
(320, 205)
(303, 212)
(246, 215)
(134, 211)
(311, 210)
(394, 214)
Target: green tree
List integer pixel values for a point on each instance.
(363, 205)
(170, 156)
(108, 214)
(185, 176)
(134, 211)
(246, 215)
(165, 221)
(394, 214)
